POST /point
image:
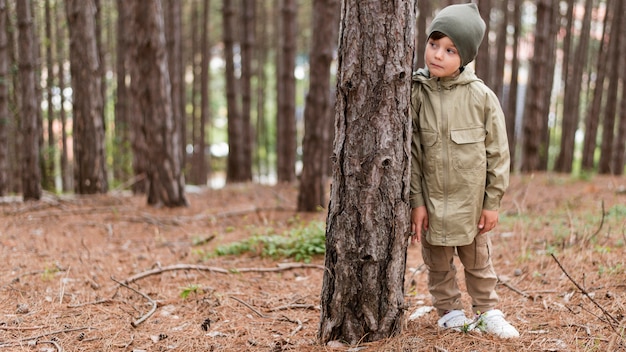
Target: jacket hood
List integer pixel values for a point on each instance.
(464, 26)
(466, 76)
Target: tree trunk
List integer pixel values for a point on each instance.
(592, 120)
(65, 165)
(88, 127)
(610, 109)
(122, 155)
(151, 89)
(619, 154)
(572, 92)
(511, 106)
(173, 23)
(286, 119)
(205, 95)
(235, 123)
(483, 64)
(247, 36)
(261, 137)
(31, 173)
(368, 218)
(425, 11)
(312, 193)
(537, 107)
(5, 116)
(501, 48)
(47, 179)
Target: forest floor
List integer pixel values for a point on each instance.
(110, 273)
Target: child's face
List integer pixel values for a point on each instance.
(442, 57)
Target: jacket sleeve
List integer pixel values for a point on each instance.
(498, 158)
(416, 198)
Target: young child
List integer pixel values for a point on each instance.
(460, 170)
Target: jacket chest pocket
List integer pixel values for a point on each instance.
(468, 148)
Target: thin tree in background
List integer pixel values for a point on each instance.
(196, 165)
(122, 154)
(5, 116)
(592, 119)
(173, 37)
(619, 154)
(261, 159)
(205, 95)
(286, 117)
(312, 194)
(535, 123)
(511, 100)
(571, 95)
(367, 227)
(483, 63)
(247, 35)
(610, 108)
(151, 91)
(65, 166)
(88, 125)
(48, 155)
(425, 11)
(501, 48)
(235, 123)
(29, 126)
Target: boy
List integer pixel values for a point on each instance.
(460, 170)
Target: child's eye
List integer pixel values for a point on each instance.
(451, 51)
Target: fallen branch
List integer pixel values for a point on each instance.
(152, 302)
(583, 291)
(4, 327)
(512, 288)
(100, 301)
(599, 227)
(20, 341)
(296, 306)
(160, 270)
(249, 307)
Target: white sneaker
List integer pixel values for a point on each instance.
(493, 322)
(456, 320)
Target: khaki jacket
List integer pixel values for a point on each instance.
(459, 154)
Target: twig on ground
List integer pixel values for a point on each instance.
(599, 227)
(249, 307)
(19, 342)
(99, 301)
(153, 303)
(512, 288)
(296, 306)
(583, 291)
(4, 327)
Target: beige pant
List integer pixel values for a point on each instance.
(480, 276)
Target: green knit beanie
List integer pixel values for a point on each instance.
(464, 26)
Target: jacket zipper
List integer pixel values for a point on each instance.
(445, 160)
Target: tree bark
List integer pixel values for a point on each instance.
(592, 119)
(235, 122)
(312, 193)
(537, 101)
(5, 117)
(610, 109)
(151, 89)
(286, 119)
(571, 94)
(31, 173)
(88, 126)
(368, 218)
(511, 106)
(247, 35)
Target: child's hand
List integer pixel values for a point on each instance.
(488, 220)
(419, 222)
